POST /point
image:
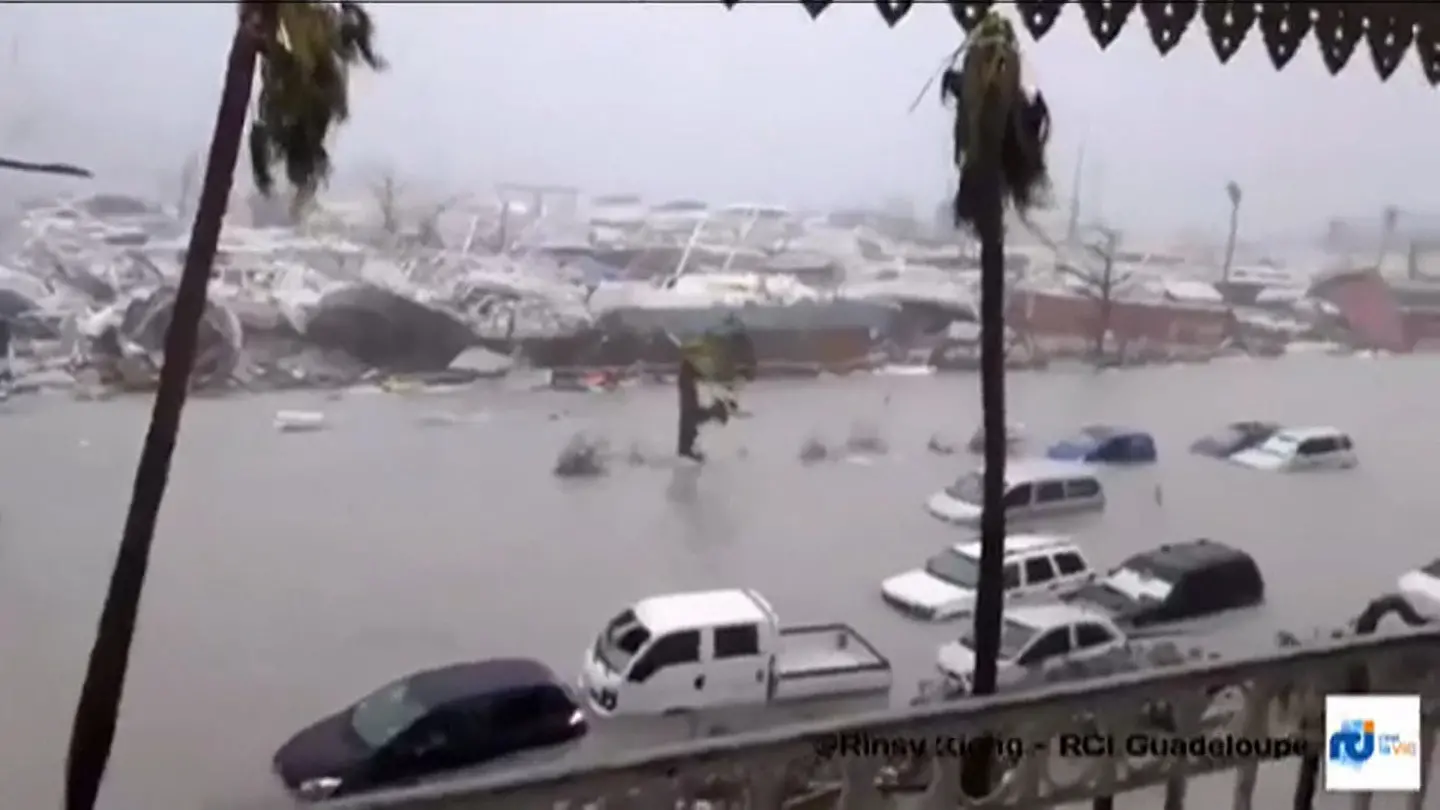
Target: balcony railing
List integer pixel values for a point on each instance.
(1273, 697)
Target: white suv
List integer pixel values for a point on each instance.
(1038, 569)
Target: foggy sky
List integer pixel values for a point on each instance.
(759, 104)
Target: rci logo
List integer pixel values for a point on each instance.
(1356, 743)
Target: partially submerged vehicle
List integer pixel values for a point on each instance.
(1014, 437)
(1177, 582)
(1234, 438)
(431, 723)
(1300, 450)
(1034, 489)
(1421, 588)
(1105, 444)
(1034, 638)
(1037, 568)
(668, 661)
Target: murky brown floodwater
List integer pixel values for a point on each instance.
(293, 573)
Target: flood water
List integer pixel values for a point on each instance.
(295, 572)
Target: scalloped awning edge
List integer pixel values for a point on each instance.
(1388, 31)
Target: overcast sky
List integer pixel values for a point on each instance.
(757, 104)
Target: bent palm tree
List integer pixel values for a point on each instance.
(305, 51)
(723, 358)
(1000, 140)
(1236, 195)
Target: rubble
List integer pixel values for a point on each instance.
(340, 300)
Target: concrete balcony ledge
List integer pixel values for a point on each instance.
(1278, 695)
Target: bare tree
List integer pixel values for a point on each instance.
(388, 190)
(189, 184)
(1389, 219)
(427, 231)
(1099, 282)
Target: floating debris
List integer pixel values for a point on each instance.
(299, 421)
(582, 457)
(865, 440)
(813, 451)
(450, 419)
(941, 446)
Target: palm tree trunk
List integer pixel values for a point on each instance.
(1230, 241)
(687, 390)
(989, 601)
(98, 711)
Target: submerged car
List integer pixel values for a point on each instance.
(1104, 444)
(1175, 583)
(1014, 437)
(1301, 449)
(429, 723)
(1234, 438)
(1034, 489)
(1421, 588)
(1036, 568)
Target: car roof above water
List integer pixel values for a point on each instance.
(680, 611)
(1020, 544)
(471, 678)
(1032, 470)
(1176, 560)
(1042, 617)
(1300, 434)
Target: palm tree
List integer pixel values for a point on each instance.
(999, 150)
(1233, 191)
(305, 51)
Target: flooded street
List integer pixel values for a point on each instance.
(294, 573)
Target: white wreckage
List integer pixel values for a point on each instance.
(92, 287)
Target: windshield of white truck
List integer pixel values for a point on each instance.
(967, 488)
(620, 641)
(960, 570)
(1014, 638)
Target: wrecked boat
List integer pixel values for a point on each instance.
(125, 342)
(386, 330)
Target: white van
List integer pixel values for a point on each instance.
(1034, 488)
(1038, 568)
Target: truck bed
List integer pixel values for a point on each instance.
(827, 659)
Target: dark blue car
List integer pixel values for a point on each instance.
(1103, 444)
(429, 723)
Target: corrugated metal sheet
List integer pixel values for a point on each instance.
(1369, 307)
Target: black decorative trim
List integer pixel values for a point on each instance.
(1388, 30)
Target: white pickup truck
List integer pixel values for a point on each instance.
(692, 654)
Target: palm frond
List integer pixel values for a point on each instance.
(309, 49)
(64, 169)
(996, 124)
